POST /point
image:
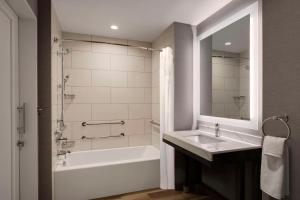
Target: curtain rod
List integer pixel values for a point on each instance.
(119, 44)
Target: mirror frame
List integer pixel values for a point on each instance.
(254, 11)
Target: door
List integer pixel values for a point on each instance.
(9, 152)
(27, 44)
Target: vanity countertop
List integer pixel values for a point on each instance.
(205, 144)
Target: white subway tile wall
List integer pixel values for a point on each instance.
(230, 79)
(55, 80)
(155, 98)
(110, 83)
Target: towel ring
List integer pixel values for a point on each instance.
(282, 118)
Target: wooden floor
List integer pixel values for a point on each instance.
(157, 194)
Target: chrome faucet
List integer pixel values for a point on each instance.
(217, 130)
(59, 136)
(62, 153)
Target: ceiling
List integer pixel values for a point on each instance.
(142, 20)
(237, 33)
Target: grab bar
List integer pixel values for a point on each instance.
(93, 138)
(154, 123)
(102, 123)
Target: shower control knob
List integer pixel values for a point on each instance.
(20, 143)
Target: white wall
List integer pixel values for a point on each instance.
(110, 83)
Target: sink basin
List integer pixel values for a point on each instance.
(205, 144)
(203, 139)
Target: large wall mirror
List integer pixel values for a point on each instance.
(224, 58)
(230, 83)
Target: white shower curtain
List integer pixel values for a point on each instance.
(167, 179)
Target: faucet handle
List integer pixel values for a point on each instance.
(58, 133)
(62, 139)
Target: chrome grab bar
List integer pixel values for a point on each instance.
(93, 138)
(154, 123)
(101, 123)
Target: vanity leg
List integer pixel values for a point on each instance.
(258, 193)
(187, 175)
(240, 189)
(180, 170)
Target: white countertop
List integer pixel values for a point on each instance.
(206, 151)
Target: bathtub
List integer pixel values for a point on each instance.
(101, 173)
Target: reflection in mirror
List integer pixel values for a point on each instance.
(225, 72)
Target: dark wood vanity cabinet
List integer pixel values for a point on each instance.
(233, 176)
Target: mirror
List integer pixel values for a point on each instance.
(225, 72)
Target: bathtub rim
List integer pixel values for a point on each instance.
(59, 168)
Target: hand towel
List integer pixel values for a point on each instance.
(274, 179)
(274, 146)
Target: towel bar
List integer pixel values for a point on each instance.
(94, 138)
(282, 118)
(102, 123)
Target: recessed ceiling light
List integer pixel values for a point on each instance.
(114, 27)
(227, 43)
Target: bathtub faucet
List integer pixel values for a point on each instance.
(63, 153)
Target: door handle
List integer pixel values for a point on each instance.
(22, 119)
(41, 109)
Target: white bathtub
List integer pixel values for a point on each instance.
(102, 173)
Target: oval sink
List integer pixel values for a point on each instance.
(203, 139)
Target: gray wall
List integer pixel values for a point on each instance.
(179, 37)
(281, 75)
(183, 66)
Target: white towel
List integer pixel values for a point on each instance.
(274, 179)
